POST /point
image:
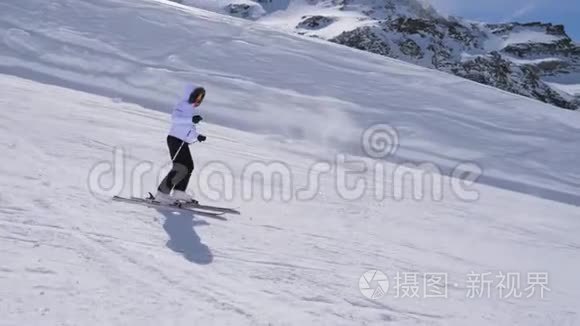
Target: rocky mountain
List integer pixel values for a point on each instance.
(537, 60)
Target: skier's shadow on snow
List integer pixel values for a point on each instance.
(182, 236)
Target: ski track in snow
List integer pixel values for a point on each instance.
(72, 257)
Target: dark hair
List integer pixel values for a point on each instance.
(195, 95)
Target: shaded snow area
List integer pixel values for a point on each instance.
(571, 89)
(527, 36)
(371, 191)
(532, 61)
(566, 84)
(292, 18)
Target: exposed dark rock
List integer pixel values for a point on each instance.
(415, 26)
(411, 48)
(314, 22)
(241, 10)
(363, 39)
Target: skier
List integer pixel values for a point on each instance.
(182, 133)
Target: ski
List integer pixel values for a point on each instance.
(203, 207)
(212, 208)
(179, 208)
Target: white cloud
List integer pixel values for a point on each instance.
(526, 9)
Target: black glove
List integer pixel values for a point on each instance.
(201, 138)
(196, 119)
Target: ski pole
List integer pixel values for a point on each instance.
(179, 150)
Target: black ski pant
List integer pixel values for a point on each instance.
(178, 177)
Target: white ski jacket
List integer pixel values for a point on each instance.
(181, 125)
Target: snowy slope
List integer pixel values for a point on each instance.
(74, 258)
(290, 88)
(70, 256)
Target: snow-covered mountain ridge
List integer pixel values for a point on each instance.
(537, 60)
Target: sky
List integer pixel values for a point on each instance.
(566, 12)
